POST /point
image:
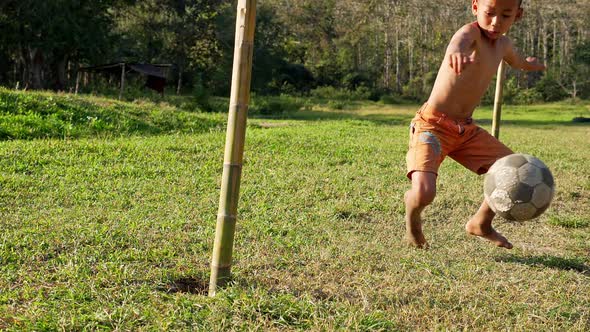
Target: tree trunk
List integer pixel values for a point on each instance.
(24, 68)
(398, 77)
(179, 85)
(36, 58)
(359, 56)
(388, 56)
(77, 82)
(561, 54)
(61, 74)
(540, 39)
(554, 50)
(411, 60)
(122, 81)
(15, 72)
(563, 61)
(545, 39)
(387, 62)
(567, 44)
(574, 90)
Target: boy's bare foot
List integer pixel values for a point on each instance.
(473, 227)
(417, 240)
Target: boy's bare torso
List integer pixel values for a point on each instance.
(459, 95)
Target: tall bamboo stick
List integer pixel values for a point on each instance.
(498, 101)
(234, 145)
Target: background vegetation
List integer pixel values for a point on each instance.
(374, 48)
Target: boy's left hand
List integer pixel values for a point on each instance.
(534, 64)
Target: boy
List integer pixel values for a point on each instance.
(443, 126)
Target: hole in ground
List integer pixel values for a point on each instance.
(188, 285)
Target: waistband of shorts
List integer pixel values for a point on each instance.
(430, 113)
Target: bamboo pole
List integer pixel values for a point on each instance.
(498, 101)
(234, 145)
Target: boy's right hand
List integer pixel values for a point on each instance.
(532, 64)
(459, 61)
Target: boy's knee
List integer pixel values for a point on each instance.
(424, 195)
(423, 188)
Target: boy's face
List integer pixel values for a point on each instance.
(496, 16)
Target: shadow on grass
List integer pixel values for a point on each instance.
(552, 262)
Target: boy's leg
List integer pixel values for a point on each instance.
(478, 155)
(481, 225)
(417, 198)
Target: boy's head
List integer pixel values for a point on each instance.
(495, 17)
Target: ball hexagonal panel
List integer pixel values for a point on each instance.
(506, 177)
(547, 177)
(530, 174)
(534, 160)
(501, 200)
(540, 211)
(490, 202)
(521, 193)
(489, 184)
(514, 160)
(542, 195)
(523, 211)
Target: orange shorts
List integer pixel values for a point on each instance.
(433, 136)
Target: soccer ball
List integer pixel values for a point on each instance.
(519, 187)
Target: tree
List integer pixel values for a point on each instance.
(179, 31)
(44, 36)
(577, 78)
(385, 45)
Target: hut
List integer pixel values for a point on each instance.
(156, 74)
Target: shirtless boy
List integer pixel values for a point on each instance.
(443, 126)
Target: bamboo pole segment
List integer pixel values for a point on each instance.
(498, 101)
(122, 81)
(234, 145)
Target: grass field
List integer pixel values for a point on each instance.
(112, 229)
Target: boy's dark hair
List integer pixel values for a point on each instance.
(520, 3)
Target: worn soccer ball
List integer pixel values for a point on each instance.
(519, 187)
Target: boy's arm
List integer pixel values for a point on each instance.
(517, 61)
(460, 49)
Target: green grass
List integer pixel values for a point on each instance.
(47, 115)
(113, 230)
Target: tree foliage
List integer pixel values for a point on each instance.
(41, 37)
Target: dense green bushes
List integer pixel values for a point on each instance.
(332, 93)
(279, 105)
